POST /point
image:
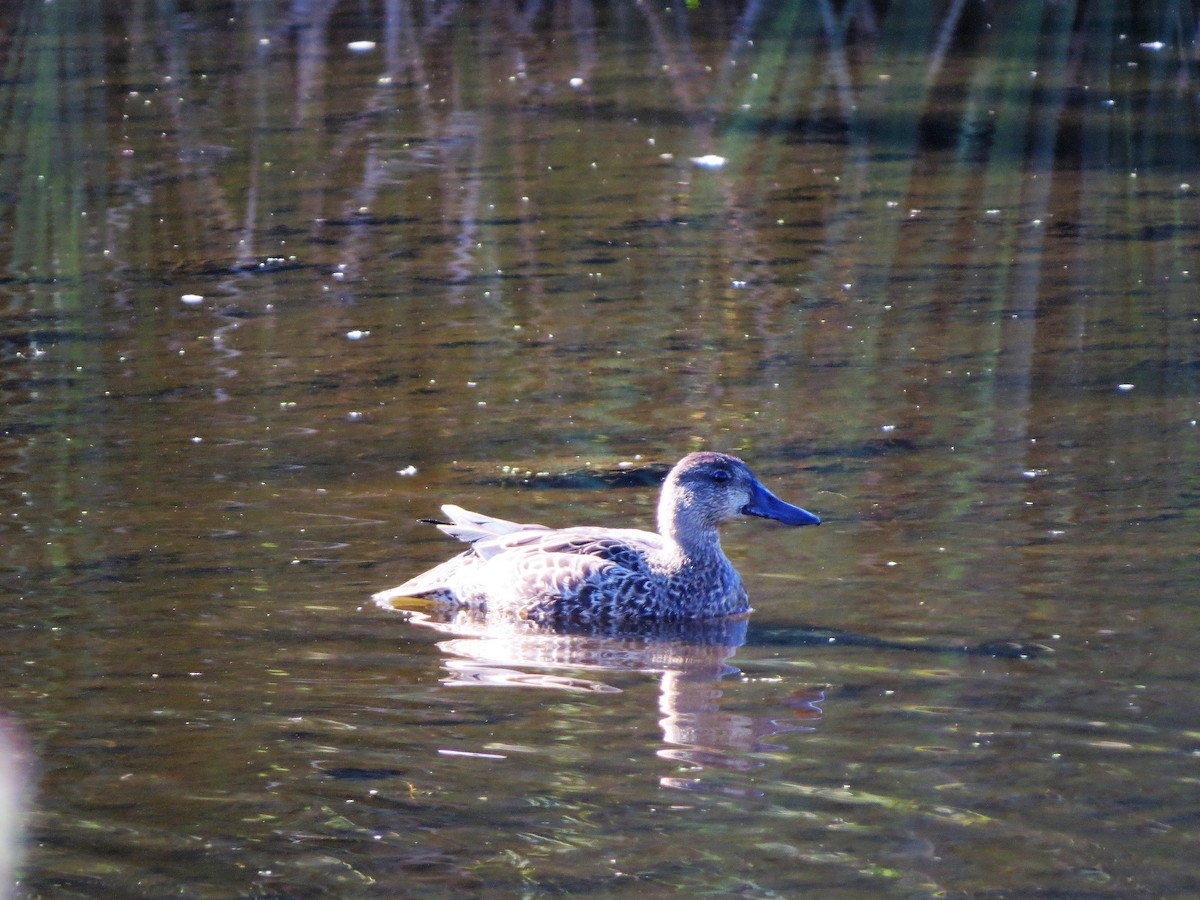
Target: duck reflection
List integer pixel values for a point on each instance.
(690, 658)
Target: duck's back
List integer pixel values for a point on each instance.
(584, 574)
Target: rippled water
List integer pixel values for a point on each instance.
(272, 295)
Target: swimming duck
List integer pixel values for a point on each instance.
(610, 575)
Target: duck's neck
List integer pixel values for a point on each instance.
(695, 541)
(700, 575)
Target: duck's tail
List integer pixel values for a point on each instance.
(470, 527)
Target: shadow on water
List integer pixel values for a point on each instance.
(816, 636)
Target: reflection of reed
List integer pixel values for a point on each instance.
(690, 659)
(779, 63)
(52, 170)
(913, 138)
(779, 67)
(54, 184)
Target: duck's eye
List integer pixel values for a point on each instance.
(720, 476)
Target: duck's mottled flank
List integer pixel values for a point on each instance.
(610, 575)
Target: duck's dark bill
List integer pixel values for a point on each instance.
(767, 505)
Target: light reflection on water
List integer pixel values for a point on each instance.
(945, 303)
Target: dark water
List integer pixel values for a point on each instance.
(268, 299)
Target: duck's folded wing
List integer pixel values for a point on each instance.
(626, 547)
(607, 583)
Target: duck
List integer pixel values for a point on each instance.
(605, 576)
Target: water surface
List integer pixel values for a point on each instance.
(271, 296)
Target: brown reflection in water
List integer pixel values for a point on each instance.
(690, 659)
(906, 220)
(946, 270)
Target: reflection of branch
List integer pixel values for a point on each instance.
(945, 35)
(312, 55)
(402, 59)
(583, 24)
(680, 72)
(838, 66)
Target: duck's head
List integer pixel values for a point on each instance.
(706, 489)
